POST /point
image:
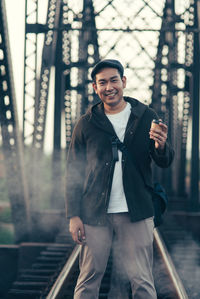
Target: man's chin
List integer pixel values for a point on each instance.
(109, 98)
(112, 100)
(112, 103)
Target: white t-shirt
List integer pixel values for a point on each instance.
(117, 203)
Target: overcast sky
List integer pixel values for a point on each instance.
(16, 23)
(15, 17)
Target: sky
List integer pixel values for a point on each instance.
(16, 35)
(16, 28)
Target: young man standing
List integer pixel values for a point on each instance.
(109, 183)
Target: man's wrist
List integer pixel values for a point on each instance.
(161, 151)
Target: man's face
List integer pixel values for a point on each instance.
(109, 87)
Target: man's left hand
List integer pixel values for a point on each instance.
(159, 135)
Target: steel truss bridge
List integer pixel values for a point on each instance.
(158, 43)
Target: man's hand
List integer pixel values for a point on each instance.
(159, 135)
(76, 229)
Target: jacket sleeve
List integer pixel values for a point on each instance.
(75, 171)
(162, 158)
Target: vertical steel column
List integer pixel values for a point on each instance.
(164, 88)
(36, 77)
(57, 191)
(195, 111)
(66, 60)
(183, 188)
(87, 39)
(12, 139)
(30, 69)
(170, 175)
(36, 87)
(48, 60)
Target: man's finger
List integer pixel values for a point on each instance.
(75, 237)
(164, 127)
(82, 232)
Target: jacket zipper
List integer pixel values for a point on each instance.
(109, 185)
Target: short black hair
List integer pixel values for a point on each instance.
(107, 63)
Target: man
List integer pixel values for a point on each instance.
(109, 184)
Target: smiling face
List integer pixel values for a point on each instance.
(109, 86)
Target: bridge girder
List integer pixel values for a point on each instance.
(158, 44)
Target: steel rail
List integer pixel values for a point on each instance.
(179, 288)
(59, 284)
(56, 289)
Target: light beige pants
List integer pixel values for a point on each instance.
(132, 251)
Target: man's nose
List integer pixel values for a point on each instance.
(109, 85)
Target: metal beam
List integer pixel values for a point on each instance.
(12, 138)
(195, 91)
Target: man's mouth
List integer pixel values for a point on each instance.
(111, 94)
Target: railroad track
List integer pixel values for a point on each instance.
(168, 283)
(55, 271)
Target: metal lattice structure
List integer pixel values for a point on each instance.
(11, 142)
(176, 90)
(158, 44)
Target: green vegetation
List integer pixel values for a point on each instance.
(6, 227)
(3, 190)
(6, 235)
(5, 215)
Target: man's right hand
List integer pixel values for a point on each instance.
(76, 229)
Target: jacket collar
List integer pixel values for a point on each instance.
(137, 108)
(97, 116)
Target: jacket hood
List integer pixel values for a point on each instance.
(135, 104)
(96, 114)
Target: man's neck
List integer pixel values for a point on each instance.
(115, 109)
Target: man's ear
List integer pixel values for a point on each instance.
(94, 86)
(124, 81)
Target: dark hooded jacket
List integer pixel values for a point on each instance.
(90, 164)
